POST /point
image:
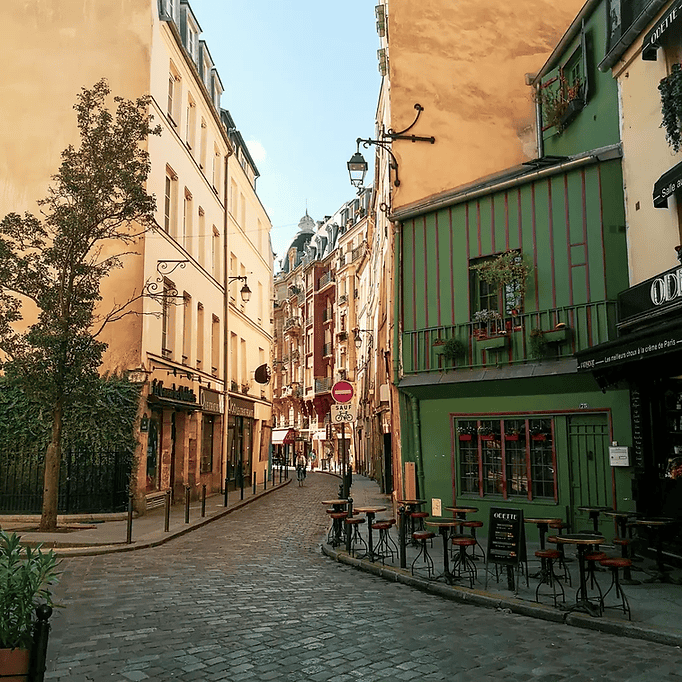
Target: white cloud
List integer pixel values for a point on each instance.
(257, 150)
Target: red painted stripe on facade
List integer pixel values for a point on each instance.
(583, 184)
(551, 239)
(435, 217)
(492, 224)
(425, 251)
(535, 246)
(506, 221)
(529, 468)
(601, 229)
(468, 257)
(567, 217)
(554, 464)
(452, 266)
(478, 227)
(414, 274)
(519, 208)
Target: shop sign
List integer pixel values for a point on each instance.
(180, 393)
(241, 408)
(506, 537)
(210, 401)
(655, 296)
(652, 40)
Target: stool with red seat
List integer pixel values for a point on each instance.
(418, 520)
(462, 565)
(547, 574)
(474, 525)
(356, 539)
(625, 545)
(614, 564)
(591, 559)
(386, 545)
(336, 535)
(561, 562)
(420, 537)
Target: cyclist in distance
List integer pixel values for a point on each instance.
(301, 469)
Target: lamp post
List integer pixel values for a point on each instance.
(357, 166)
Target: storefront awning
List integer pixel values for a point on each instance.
(283, 436)
(668, 183)
(653, 342)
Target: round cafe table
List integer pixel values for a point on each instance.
(622, 518)
(656, 526)
(410, 506)
(462, 511)
(370, 513)
(582, 542)
(593, 512)
(543, 527)
(445, 527)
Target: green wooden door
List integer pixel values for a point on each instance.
(589, 468)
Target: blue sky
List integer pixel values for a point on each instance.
(301, 83)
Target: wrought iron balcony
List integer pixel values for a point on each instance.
(323, 385)
(325, 279)
(529, 337)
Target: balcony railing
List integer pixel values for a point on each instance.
(327, 314)
(325, 279)
(510, 340)
(326, 349)
(292, 323)
(357, 252)
(323, 385)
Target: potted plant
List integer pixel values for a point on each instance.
(537, 346)
(486, 432)
(512, 435)
(505, 271)
(559, 334)
(466, 432)
(453, 349)
(26, 578)
(670, 88)
(537, 432)
(561, 104)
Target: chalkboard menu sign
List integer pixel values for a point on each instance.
(506, 537)
(637, 427)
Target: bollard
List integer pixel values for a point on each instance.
(129, 528)
(166, 523)
(225, 505)
(41, 631)
(187, 489)
(347, 528)
(203, 500)
(401, 529)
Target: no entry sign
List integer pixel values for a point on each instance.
(342, 391)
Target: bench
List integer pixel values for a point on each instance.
(154, 500)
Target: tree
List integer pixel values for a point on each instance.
(97, 199)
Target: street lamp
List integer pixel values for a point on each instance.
(358, 336)
(244, 291)
(357, 166)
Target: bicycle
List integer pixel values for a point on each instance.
(300, 473)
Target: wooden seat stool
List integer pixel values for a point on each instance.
(613, 564)
(337, 531)
(421, 537)
(463, 567)
(474, 525)
(386, 546)
(591, 559)
(547, 575)
(356, 539)
(418, 520)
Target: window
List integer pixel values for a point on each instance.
(201, 238)
(207, 432)
(215, 174)
(169, 202)
(242, 212)
(509, 457)
(503, 299)
(186, 236)
(215, 253)
(186, 327)
(168, 318)
(200, 334)
(191, 122)
(204, 143)
(215, 345)
(173, 103)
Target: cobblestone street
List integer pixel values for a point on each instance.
(250, 597)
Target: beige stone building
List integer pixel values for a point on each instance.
(196, 343)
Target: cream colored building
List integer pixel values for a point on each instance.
(197, 345)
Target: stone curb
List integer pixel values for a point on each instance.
(96, 550)
(509, 604)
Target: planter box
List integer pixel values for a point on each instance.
(538, 436)
(465, 436)
(493, 343)
(557, 335)
(487, 436)
(572, 110)
(512, 437)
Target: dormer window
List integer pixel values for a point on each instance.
(191, 31)
(206, 65)
(169, 10)
(217, 90)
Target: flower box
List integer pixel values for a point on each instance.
(465, 436)
(538, 436)
(493, 343)
(557, 335)
(513, 436)
(487, 436)
(571, 111)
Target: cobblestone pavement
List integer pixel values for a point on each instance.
(250, 597)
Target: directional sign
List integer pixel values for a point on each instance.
(343, 414)
(342, 391)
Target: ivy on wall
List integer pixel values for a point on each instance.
(670, 88)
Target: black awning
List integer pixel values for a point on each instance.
(668, 183)
(652, 40)
(653, 342)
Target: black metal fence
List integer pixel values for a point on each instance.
(90, 482)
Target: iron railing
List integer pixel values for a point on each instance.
(323, 385)
(588, 325)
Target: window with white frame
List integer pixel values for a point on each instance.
(186, 236)
(215, 345)
(169, 201)
(186, 327)
(215, 253)
(200, 334)
(168, 318)
(174, 93)
(190, 122)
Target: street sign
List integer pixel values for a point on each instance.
(342, 391)
(343, 414)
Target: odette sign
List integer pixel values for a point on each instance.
(342, 391)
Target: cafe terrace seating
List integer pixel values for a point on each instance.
(614, 564)
(462, 565)
(547, 575)
(356, 540)
(421, 537)
(386, 545)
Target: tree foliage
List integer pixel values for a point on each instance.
(96, 206)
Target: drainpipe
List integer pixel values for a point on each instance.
(226, 332)
(417, 435)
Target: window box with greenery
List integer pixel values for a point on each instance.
(493, 343)
(451, 350)
(466, 433)
(559, 334)
(487, 433)
(670, 88)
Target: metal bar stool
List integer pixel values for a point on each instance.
(421, 536)
(356, 539)
(613, 564)
(386, 545)
(462, 565)
(547, 575)
(474, 525)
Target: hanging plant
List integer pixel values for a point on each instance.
(537, 345)
(670, 88)
(561, 104)
(454, 349)
(508, 270)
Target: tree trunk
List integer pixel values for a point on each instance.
(53, 460)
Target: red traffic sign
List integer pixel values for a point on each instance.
(342, 391)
